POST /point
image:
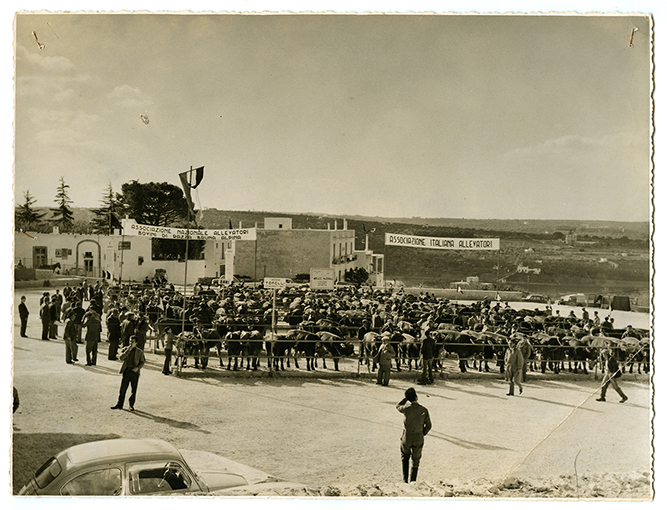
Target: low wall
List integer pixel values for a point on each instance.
(466, 294)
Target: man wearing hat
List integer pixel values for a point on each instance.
(611, 373)
(513, 366)
(416, 424)
(113, 333)
(133, 359)
(427, 354)
(383, 358)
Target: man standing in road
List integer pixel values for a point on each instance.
(427, 353)
(113, 333)
(133, 359)
(45, 317)
(77, 317)
(385, 354)
(23, 314)
(54, 315)
(611, 373)
(416, 424)
(513, 366)
(93, 324)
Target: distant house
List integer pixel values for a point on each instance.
(528, 270)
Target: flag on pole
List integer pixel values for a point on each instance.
(115, 222)
(185, 182)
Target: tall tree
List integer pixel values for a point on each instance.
(105, 220)
(154, 203)
(63, 216)
(26, 217)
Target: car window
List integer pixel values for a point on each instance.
(104, 482)
(48, 472)
(152, 477)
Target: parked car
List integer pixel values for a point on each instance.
(125, 467)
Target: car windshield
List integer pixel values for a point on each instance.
(48, 472)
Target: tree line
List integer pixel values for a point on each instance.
(152, 203)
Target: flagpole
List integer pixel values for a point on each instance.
(187, 238)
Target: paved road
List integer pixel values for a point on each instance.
(319, 430)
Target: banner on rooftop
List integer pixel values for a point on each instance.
(132, 228)
(442, 243)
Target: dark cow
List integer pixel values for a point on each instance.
(335, 346)
(210, 338)
(251, 342)
(234, 348)
(307, 344)
(548, 351)
(278, 351)
(460, 343)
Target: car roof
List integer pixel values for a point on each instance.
(118, 449)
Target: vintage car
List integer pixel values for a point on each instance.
(125, 467)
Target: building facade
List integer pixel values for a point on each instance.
(279, 251)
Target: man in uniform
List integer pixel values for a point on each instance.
(416, 423)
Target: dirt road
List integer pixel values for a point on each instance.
(342, 434)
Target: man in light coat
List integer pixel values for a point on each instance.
(385, 354)
(513, 366)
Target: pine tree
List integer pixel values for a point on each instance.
(63, 216)
(104, 220)
(26, 217)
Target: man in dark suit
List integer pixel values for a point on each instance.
(45, 317)
(54, 316)
(23, 314)
(417, 423)
(427, 354)
(133, 359)
(611, 373)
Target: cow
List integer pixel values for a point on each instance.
(210, 338)
(460, 343)
(278, 350)
(548, 351)
(306, 343)
(335, 346)
(251, 342)
(234, 348)
(368, 348)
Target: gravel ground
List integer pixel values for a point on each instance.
(340, 435)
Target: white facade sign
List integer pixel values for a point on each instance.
(441, 243)
(322, 279)
(132, 228)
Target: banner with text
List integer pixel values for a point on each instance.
(441, 243)
(132, 228)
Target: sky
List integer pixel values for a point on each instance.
(460, 116)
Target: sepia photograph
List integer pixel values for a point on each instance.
(324, 255)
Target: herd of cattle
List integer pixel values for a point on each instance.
(247, 339)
